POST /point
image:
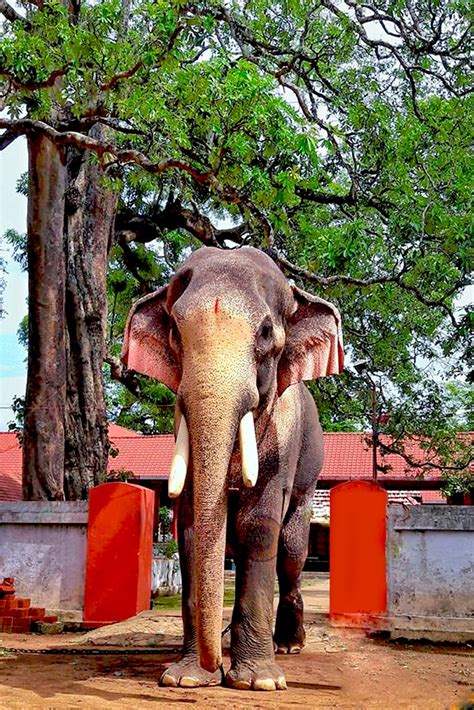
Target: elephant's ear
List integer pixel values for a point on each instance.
(146, 347)
(313, 345)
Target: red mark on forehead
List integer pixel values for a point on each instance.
(216, 306)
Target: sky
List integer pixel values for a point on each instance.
(13, 163)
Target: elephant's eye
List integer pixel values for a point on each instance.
(265, 333)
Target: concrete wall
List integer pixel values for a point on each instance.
(430, 566)
(43, 546)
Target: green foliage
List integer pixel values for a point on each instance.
(168, 548)
(174, 601)
(17, 424)
(456, 484)
(353, 146)
(18, 243)
(120, 474)
(164, 518)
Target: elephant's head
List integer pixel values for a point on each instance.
(228, 335)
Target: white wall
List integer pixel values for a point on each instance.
(43, 546)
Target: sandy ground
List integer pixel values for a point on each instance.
(338, 669)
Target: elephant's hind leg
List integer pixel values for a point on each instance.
(289, 634)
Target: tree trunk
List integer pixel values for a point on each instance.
(70, 221)
(90, 212)
(43, 437)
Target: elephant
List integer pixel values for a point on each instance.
(235, 342)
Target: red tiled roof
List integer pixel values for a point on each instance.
(348, 457)
(10, 486)
(11, 459)
(8, 440)
(10, 467)
(432, 497)
(116, 430)
(146, 456)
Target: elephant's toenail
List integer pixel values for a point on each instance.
(282, 649)
(264, 684)
(281, 683)
(294, 649)
(239, 684)
(167, 679)
(189, 682)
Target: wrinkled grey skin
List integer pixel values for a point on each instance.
(229, 335)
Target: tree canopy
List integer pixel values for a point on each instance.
(336, 136)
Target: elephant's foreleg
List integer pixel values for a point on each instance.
(252, 655)
(292, 550)
(187, 672)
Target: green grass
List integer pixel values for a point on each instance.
(174, 602)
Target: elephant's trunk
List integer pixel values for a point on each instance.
(217, 389)
(212, 441)
(211, 448)
(213, 430)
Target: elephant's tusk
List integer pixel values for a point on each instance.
(179, 465)
(248, 450)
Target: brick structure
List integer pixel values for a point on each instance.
(17, 616)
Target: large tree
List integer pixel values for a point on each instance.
(335, 135)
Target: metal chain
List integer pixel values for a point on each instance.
(92, 651)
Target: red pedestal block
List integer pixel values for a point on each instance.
(119, 552)
(358, 578)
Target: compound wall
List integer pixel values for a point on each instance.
(43, 546)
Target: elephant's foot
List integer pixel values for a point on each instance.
(256, 675)
(290, 636)
(187, 673)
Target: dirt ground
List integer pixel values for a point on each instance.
(118, 667)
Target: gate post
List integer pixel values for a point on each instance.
(357, 568)
(119, 552)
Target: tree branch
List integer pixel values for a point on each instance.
(7, 138)
(109, 153)
(132, 263)
(395, 278)
(33, 85)
(146, 228)
(294, 270)
(88, 122)
(431, 465)
(350, 198)
(119, 372)
(120, 76)
(10, 13)
(117, 78)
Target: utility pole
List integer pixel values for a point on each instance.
(375, 429)
(361, 369)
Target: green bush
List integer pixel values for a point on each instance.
(167, 549)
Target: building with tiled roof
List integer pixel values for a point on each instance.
(146, 459)
(11, 459)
